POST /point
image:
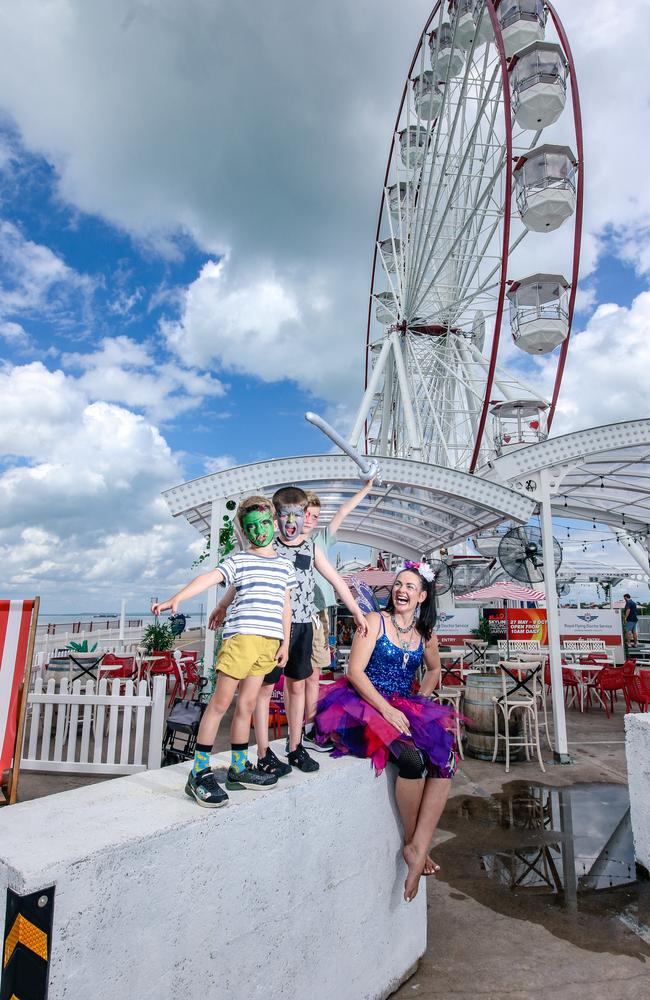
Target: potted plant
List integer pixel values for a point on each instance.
(157, 638)
(483, 631)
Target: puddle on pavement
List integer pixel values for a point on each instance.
(560, 857)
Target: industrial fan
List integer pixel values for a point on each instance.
(522, 556)
(443, 576)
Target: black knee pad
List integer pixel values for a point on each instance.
(410, 762)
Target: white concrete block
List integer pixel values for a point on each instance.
(292, 892)
(637, 751)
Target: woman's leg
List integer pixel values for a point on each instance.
(434, 798)
(409, 789)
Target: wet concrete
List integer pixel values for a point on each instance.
(537, 895)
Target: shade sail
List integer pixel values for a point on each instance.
(503, 592)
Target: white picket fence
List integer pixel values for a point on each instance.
(76, 729)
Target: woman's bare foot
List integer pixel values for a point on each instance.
(431, 867)
(415, 864)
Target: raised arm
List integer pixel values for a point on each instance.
(432, 663)
(362, 647)
(196, 586)
(325, 568)
(348, 507)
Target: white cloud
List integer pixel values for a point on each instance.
(219, 463)
(34, 279)
(124, 371)
(14, 333)
(604, 376)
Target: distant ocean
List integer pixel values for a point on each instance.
(96, 620)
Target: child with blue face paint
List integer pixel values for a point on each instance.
(256, 640)
(293, 543)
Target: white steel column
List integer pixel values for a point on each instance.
(637, 551)
(561, 753)
(368, 395)
(216, 521)
(407, 402)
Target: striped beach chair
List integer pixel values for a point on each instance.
(17, 634)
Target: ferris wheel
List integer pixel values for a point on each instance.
(486, 162)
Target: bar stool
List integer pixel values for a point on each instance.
(520, 692)
(451, 695)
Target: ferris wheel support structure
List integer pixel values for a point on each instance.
(446, 235)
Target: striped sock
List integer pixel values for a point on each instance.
(238, 755)
(202, 753)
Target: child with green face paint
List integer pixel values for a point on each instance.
(256, 641)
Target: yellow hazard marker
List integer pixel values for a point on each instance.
(25, 932)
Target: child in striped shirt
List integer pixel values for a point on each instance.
(255, 641)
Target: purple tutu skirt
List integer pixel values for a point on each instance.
(356, 728)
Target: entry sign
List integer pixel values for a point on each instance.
(456, 625)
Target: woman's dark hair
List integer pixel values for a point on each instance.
(426, 619)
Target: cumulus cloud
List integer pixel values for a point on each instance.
(33, 279)
(603, 378)
(125, 371)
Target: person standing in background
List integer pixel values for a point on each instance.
(631, 619)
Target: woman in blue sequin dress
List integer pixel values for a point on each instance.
(373, 713)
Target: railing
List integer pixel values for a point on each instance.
(83, 732)
(105, 639)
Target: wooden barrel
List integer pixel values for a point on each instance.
(479, 710)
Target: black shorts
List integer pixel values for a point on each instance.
(298, 667)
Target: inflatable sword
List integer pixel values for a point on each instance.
(369, 467)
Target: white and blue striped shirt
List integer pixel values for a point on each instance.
(260, 583)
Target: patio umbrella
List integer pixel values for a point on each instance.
(504, 591)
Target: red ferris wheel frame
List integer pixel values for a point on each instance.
(491, 9)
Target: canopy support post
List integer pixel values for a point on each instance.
(561, 752)
(216, 520)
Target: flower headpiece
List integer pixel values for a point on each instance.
(422, 568)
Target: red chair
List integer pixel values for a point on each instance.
(115, 667)
(637, 688)
(164, 665)
(570, 683)
(606, 682)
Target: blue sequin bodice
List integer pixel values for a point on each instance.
(392, 669)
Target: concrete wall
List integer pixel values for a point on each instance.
(293, 892)
(637, 751)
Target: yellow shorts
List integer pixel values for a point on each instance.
(243, 656)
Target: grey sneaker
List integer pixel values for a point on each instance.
(251, 778)
(205, 788)
(300, 758)
(310, 739)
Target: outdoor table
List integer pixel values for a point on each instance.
(590, 669)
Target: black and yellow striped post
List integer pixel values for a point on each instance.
(27, 945)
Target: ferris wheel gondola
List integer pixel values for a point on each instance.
(471, 182)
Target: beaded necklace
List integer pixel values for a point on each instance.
(404, 643)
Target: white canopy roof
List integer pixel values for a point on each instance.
(419, 508)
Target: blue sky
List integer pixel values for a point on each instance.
(177, 237)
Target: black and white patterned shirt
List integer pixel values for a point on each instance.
(302, 595)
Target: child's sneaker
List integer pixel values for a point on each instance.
(270, 764)
(251, 777)
(205, 788)
(300, 758)
(310, 739)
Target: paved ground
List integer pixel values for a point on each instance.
(501, 929)
(491, 939)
